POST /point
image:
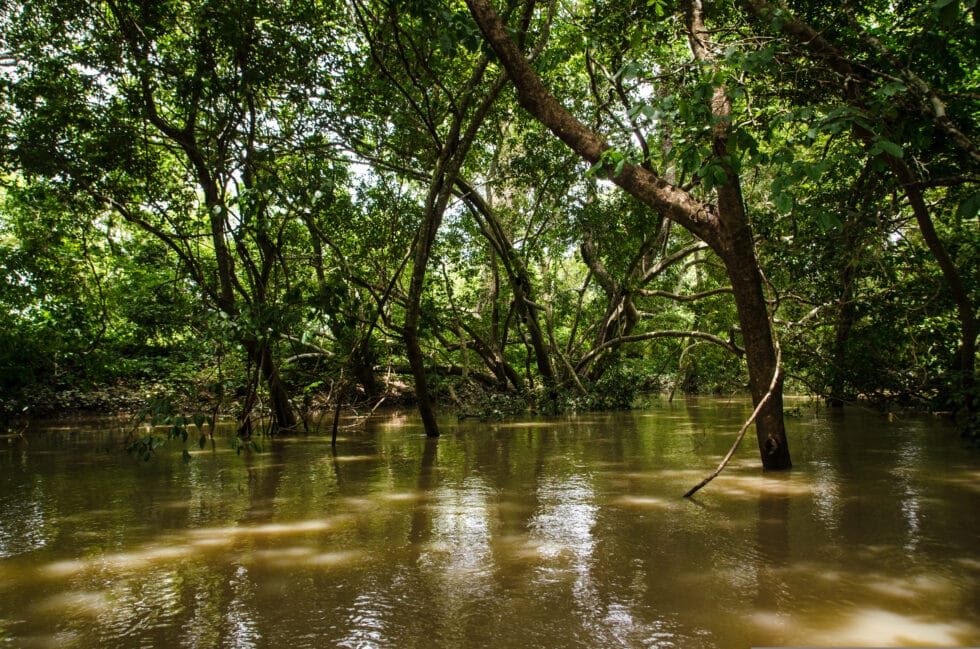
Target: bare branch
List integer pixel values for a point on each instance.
(666, 333)
(748, 422)
(685, 298)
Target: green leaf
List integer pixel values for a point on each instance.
(885, 146)
(816, 171)
(828, 222)
(202, 441)
(939, 4)
(969, 207)
(719, 175)
(784, 202)
(659, 7)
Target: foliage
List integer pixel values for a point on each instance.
(197, 195)
(161, 412)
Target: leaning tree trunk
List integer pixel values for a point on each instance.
(737, 250)
(760, 352)
(413, 348)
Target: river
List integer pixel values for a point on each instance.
(546, 532)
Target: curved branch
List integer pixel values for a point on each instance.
(670, 260)
(667, 333)
(684, 298)
(748, 422)
(534, 97)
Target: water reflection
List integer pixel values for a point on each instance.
(24, 523)
(547, 533)
(458, 548)
(909, 461)
(241, 612)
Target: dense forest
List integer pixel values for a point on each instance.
(258, 209)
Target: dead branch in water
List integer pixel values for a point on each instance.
(741, 433)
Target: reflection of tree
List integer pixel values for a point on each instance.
(772, 549)
(421, 529)
(264, 475)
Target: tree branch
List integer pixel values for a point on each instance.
(748, 422)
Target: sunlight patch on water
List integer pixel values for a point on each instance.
(60, 569)
(300, 556)
(970, 563)
(738, 485)
(183, 547)
(911, 588)
(56, 640)
(270, 529)
(645, 502)
(680, 475)
(360, 504)
(403, 496)
(810, 571)
(771, 621)
(91, 603)
(134, 560)
(967, 480)
(339, 558)
(877, 627)
(653, 476)
(352, 458)
(524, 425)
(521, 547)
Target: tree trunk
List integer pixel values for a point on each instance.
(279, 402)
(760, 353)
(517, 275)
(416, 360)
(967, 353)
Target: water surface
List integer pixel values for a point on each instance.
(562, 532)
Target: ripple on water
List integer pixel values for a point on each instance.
(547, 537)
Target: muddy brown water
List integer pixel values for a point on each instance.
(551, 533)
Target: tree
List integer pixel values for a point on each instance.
(724, 226)
(176, 115)
(912, 111)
